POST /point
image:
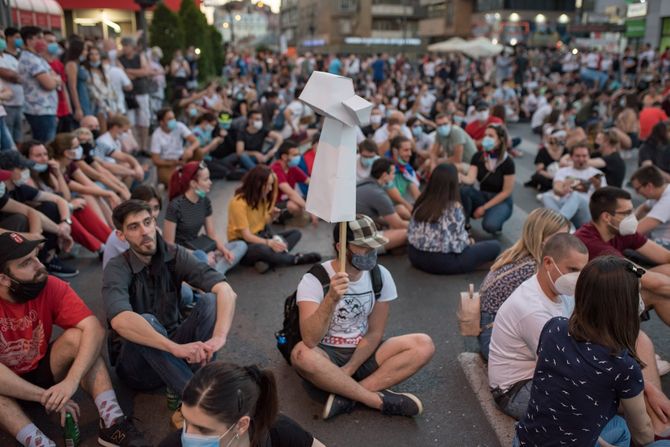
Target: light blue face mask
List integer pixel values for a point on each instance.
(417, 131)
(172, 124)
(40, 167)
(367, 162)
(444, 130)
(3, 189)
(78, 153)
(192, 112)
(294, 161)
(94, 64)
(53, 48)
(200, 193)
(193, 440)
(488, 144)
(18, 42)
(3, 44)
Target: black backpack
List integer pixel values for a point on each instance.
(289, 335)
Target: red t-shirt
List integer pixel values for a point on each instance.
(588, 234)
(476, 129)
(25, 329)
(63, 107)
(293, 176)
(649, 117)
(309, 157)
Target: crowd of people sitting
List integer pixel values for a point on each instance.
(100, 144)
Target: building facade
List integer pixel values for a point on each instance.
(247, 24)
(445, 19)
(352, 26)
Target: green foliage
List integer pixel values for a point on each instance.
(165, 32)
(218, 50)
(195, 29)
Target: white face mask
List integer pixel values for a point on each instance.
(25, 175)
(628, 225)
(566, 283)
(258, 125)
(375, 119)
(483, 115)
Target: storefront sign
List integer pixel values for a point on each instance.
(637, 10)
(382, 41)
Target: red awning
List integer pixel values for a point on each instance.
(43, 13)
(126, 5)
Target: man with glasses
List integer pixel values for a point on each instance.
(152, 342)
(614, 231)
(654, 213)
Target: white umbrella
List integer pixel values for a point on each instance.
(475, 48)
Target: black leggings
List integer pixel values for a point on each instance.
(263, 252)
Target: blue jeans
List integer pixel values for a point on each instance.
(145, 368)
(247, 161)
(516, 404)
(14, 121)
(484, 338)
(43, 127)
(6, 142)
(494, 217)
(454, 263)
(573, 207)
(238, 248)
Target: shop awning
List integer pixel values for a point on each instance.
(46, 14)
(126, 5)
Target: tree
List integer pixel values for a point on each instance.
(218, 51)
(166, 32)
(195, 30)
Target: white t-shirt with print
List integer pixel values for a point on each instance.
(660, 210)
(516, 332)
(349, 322)
(170, 146)
(570, 173)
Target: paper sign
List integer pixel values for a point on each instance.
(332, 187)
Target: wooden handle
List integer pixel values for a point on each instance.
(343, 245)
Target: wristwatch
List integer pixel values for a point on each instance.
(67, 221)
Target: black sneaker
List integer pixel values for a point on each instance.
(57, 268)
(122, 434)
(261, 266)
(336, 405)
(306, 258)
(400, 404)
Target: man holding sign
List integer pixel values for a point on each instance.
(342, 326)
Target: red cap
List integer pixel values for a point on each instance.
(5, 175)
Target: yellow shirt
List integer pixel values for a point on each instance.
(241, 216)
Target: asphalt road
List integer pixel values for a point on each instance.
(427, 303)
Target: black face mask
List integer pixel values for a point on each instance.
(96, 133)
(88, 152)
(24, 291)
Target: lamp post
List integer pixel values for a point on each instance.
(141, 18)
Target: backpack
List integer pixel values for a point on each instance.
(289, 335)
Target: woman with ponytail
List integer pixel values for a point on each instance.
(225, 405)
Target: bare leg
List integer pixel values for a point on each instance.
(653, 285)
(397, 238)
(93, 204)
(12, 417)
(294, 208)
(403, 212)
(315, 366)
(646, 353)
(399, 358)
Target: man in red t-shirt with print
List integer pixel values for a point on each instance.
(32, 368)
(613, 230)
(288, 176)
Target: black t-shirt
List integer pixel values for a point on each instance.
(544, 157)
(3, 200)
(659, 155)
(284, 433)
(189, 217)
(23, 193)
(369, 131)
(252, 141)
(614, 170)
(492, 181)
(633, 68)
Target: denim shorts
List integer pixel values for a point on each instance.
(340, 356)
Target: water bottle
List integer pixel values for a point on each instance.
(173, 400)
(71, 432)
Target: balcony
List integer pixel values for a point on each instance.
(389, 10)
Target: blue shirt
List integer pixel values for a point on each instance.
(335, 66)
(378, 70)
(576, 389)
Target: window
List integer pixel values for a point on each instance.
(450, 12)
(348, 5)
(345, 26)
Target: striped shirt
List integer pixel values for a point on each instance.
(188, 216)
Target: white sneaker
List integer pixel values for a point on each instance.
(663, 366)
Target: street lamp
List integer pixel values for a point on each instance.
(144, 4)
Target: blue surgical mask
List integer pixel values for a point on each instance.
(364, 262)
(389, 185)
(3, 189)
(94, 64)
(444, 130)
(192, 112)
(417, 131)
(294, 161)
(200, 193)
(458, 119)
(40, 167)
(3, 44)
(488, 143)
(18, 42)
(367, 162)
(78, 153)
(172, 124)
(53, 48)
(193, 440)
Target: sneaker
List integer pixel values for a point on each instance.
(122, 434)
(663, 366)
(306, 258)
(261, 266)
(336, 405)
(400, 404)
(177, 419)
(57, 268)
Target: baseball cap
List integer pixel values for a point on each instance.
(362, 232)
(13, 160)
(15, 246)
